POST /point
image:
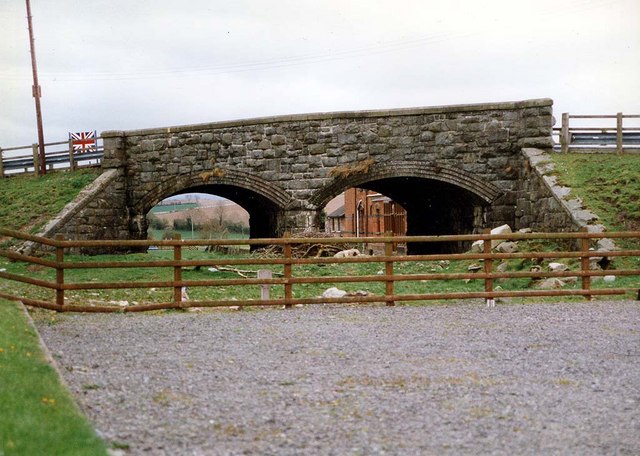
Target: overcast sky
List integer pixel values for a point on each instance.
(128, 64)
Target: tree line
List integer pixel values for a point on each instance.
(212, 227)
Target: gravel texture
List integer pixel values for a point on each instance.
(340, 380)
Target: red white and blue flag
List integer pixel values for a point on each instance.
(84, 141)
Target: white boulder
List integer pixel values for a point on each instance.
(558, 267)
(606, 245)
(503, 229)
(551, 283)
(333, 292)
(477, 246)
(347, 253)
(507, 247)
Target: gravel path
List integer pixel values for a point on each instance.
(457, 379)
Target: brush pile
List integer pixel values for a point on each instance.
(304, 250)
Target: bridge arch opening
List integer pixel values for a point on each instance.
(413, 206)
(242, 210)
(198, 216)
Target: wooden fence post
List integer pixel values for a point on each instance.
(488, 267)
(388, 269)
(59, 271)
(72, 159)
(619, 132)
(585, 263)
(177, 271)
(1, 165)
(288, 291)
(565, 137)
(36, 160)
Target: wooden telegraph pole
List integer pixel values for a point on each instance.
(37, 93)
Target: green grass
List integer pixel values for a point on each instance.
(38, 415)
(608, 184)
(27, 203)
(173, 207)
(240, 292)
(186, 234)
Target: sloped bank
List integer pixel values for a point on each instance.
(541, 194)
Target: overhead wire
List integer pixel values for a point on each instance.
(294, 60)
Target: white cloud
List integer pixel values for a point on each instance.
(126, 65)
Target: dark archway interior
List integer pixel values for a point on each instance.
(263, 213)
(433, 208)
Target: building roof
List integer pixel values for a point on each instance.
(337, 213)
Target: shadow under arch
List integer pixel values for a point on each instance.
(264, 201)
(486, 191)
(437, 200)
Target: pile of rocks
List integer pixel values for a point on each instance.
(504, 246)
(499, 245)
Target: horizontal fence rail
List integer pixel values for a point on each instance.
(25, 159)
(580, 138)
(285, 271)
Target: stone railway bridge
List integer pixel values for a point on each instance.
(455, 169)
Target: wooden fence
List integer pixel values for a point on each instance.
(25, 159)
(290, 279)
(603, 139)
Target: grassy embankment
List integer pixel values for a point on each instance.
(27, 203)
(38, 414)
(608, 184)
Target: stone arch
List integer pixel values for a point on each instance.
(438, 200)
(223, 177)
(265, 202)
(486, 191)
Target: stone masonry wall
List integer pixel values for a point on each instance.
(97, 212)
(294, 160)
(544, 205)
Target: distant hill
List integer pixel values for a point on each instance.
(205, 211)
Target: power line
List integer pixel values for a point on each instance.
(302, 59)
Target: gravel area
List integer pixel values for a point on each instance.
(339, 380)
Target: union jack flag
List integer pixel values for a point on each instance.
(84, 141)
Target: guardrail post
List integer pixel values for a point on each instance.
(488, 267)
(388, 269)
(585, 263)
(36, 160)
(565, 138)
(619, 132)
(177, 271)
(59, 271)
(72, 159)
(288, 292)
(1, 165)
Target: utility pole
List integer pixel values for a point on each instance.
(37, 93)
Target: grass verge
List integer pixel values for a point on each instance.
(608, 184)
(38, 415)
(27, 203)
